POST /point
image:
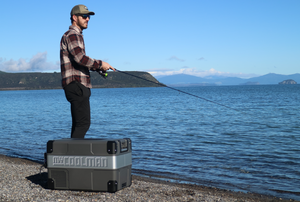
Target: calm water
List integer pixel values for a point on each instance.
(174, 135)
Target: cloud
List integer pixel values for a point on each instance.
(202, 58)
(176, 58)
(37, 63)
(199, 73)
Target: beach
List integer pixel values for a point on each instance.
(25, 180)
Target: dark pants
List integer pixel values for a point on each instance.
(79, 97)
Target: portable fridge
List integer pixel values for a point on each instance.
(89, 164)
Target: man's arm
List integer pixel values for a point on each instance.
(76, 47)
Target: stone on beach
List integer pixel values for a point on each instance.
(21, 180)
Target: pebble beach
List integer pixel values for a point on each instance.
(24, 180)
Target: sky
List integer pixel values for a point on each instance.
(241, 38)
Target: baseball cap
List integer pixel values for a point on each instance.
(81, 9)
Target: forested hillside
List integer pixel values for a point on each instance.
(28, 81)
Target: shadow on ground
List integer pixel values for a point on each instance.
(39, 179)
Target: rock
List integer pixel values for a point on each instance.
(289, 81)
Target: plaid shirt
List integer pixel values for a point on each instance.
(74, 64)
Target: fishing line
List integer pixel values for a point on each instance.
(163, 85)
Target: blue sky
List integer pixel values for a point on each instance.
(243, 38)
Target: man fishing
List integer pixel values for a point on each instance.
(75, 70)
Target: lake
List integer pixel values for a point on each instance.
(252, 146)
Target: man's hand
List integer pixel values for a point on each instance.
(106, 66)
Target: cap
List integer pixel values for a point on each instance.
(81, 9)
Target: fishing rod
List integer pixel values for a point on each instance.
(104, 75)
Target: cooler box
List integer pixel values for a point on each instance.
(89, 164)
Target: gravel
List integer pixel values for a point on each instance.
(21, 180)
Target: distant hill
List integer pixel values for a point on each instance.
(184, 79)
(288, 82)
(189, 80)
(274, 78)
(28, 81)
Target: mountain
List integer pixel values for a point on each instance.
(274, 78)
(184, 79)
(181, 79)
(28, 81)
(189, 80)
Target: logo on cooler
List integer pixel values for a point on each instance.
(80, 161)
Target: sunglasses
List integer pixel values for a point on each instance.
(85, 16)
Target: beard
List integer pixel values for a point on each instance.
(83, 25)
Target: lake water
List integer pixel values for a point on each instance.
(176, 136)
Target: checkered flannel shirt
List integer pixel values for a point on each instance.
(74, 64)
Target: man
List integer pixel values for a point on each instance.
(75, 70)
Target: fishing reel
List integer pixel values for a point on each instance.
(102, 73)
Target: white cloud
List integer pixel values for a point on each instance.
(199, 73)
(37, 63)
